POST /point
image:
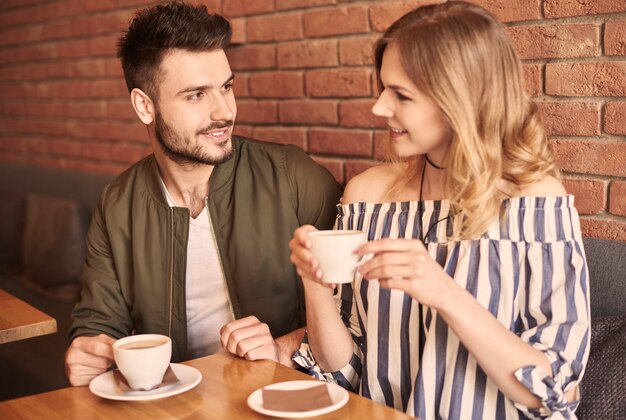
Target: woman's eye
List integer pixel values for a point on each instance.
(401, 97)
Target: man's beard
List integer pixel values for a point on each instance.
(178, 147)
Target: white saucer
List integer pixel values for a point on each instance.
(105, 386)
(338, 396)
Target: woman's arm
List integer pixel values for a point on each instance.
(498, 351)
(328, 337)
(406, 265)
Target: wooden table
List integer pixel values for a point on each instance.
(226, 383)
(19, 320)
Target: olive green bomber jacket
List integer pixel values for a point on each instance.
(134, 278)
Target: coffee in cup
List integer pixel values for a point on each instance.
(143, 359)
(138, 345)
(335, 252)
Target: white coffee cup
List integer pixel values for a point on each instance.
(143, 359)
(335, 252)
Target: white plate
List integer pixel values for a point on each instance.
(338, 396)
(105, 386)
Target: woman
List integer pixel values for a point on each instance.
(472, 301)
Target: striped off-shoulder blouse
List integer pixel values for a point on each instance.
(528, 270)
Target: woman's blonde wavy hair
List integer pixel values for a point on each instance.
(461, 56)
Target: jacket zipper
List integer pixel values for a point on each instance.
(169, 326)
(219, 258)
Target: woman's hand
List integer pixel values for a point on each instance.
(306, 264)
(405, 264)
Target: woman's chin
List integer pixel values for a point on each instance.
(405, 151)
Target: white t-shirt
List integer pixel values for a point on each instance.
(207, 299)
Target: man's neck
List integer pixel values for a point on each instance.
(188, 185)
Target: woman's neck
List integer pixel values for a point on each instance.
(432, 180)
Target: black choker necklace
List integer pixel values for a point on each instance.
(420, 204)
(430, 162)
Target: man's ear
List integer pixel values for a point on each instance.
(144, 107)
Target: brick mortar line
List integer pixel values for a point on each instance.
(591, 177)
(337, 37)
(77, 79)
(601, 139)
(604, 217)
(60, 60)
(595, 18)
(547, 21)
(329, 7)
(576, 99)
(71, 60)
(57, 41)
(63, 19)
(57, 138)
(574, 60)
(352, 158)
(65, 118)
(602, 115)
(55, 60)
(70, 158)
(602, 38)
(539, 22)
(611, 58)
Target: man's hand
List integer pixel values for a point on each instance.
(88, 357)
(249, 338)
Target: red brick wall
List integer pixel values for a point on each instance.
(304, 76)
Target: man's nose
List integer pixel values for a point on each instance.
(221, 109)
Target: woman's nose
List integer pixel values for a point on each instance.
(381, 108)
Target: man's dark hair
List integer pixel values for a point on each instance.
(156, 30)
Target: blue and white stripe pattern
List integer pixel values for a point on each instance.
(528, 270)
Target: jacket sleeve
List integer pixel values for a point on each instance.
(101, 308)
(316, 192)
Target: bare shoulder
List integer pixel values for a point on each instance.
(548, 186)
(371, 185)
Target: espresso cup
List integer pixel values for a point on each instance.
(143, 359)
(335, 252)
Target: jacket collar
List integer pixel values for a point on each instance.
(224, 173)
(221, 177)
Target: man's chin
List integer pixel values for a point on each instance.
(225, 157)
(224, 151)
(195, 159)
(222, 156)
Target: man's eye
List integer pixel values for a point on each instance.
(228, 87)
(196, 96)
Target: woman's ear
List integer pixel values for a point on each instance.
(144, 107)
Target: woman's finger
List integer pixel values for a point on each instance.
(395, 283)
(394, 271)
(411, 258)
(390, 245)
(301, 235)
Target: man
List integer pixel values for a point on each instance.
(196, 235)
